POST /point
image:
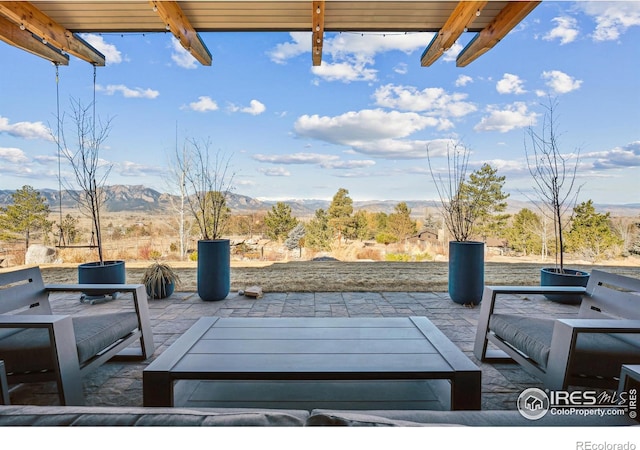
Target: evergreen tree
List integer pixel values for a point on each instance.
(340, 212)
(279, 221)
(485, 188)
(295, 239)
(591, 233)
(523, 235)
(318, 233)
(26, 216)
(68, 230)
(400, 223)
(359, 227)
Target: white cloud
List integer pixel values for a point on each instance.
(349, 44)
(566, 30)
(13, 155)
(355, 127)
(434, 101)
(401, 69)
(612, 18)
(319, 159)
(510, 84)
(348, 57)
(618, 157)
(132, 169)
(274, 171)
(463, 80)
(26, 130)
(351, 164)
(300, 43)
(346, 71)
(181, 56)
(127, 92)
(204, 104)
(452, 54)
(255, 108)
(560, 82)
(111, 54)
(511, 117)
(296, 158)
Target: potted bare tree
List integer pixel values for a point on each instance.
(209, 183)
(90, 173)
(465, 201)
(554, 175)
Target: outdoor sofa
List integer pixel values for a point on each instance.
(26, 415)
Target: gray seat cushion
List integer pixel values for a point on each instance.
(29, 349)
(486, 418)
(130, 416)
(597, 354)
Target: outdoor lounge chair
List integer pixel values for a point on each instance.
(586, 351)
(37, 345)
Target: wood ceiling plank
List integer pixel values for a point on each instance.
(41, 25)
(13, 35)
(459, 20)
(317, 35)
(510, 16)
(179, 25)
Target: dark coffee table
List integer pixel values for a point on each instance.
(282, 350)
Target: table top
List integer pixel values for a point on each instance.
(313, 349)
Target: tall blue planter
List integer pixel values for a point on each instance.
(214, 269)
(466, 272)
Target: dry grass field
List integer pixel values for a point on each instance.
(334, 276)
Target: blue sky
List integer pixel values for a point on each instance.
(361, 121)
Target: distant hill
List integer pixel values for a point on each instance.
(139, 198)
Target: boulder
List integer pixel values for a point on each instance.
(40, 254)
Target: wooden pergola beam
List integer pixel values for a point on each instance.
(13, 35)
(317, 21)
(34, 21)
(172, 15)
(510, 16)
(461, 17)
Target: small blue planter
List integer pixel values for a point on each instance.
(110, 272)
(160, 290)
(214, 269)
(466, 272)
(570, 277)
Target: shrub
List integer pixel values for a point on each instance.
(392, 257)
(426, 256)
(369, 253)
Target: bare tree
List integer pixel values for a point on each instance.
(208, 183)
(89, 170)
(554, 175)
(177, 182)
(457, 213)
(468, 203)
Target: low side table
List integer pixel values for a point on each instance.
(393, 350)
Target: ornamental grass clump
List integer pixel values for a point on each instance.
(160, 279)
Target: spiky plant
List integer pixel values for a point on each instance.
(156, 278)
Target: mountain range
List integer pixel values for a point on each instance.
(137, 198)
